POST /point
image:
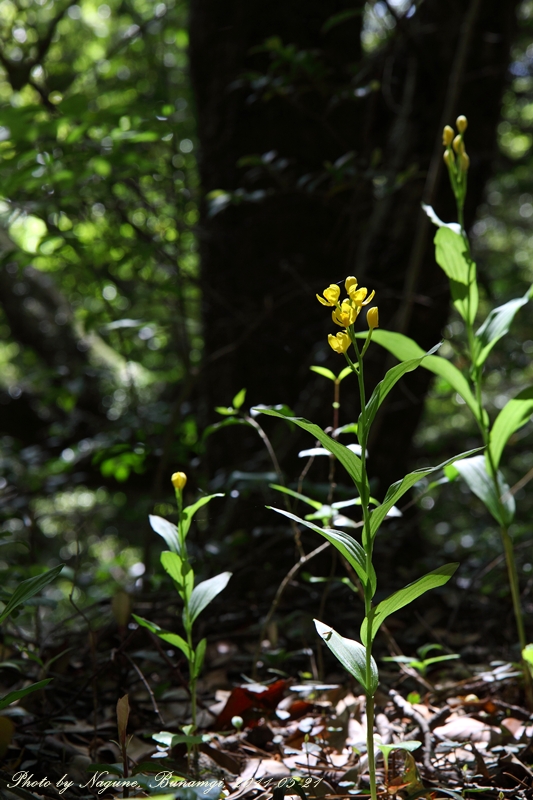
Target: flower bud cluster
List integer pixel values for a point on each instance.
(345, 313)
(456, 159)
(455, 155)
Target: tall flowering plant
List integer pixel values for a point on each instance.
(482, 473)
(356, 656)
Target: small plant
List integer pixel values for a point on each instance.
(481, 473)
(26, 589)
(422, 663)
(356, 657)
(177, 564)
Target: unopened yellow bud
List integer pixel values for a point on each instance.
(179, 479)
(464, 162)
(447, 135)
(449, 158)
(462, 123)
(458, 145)
(372, 317)
(340, 342)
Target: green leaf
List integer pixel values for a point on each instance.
(474, 473)
(451, 255)
(466, 298)
(405, 596)
(166, 636)
(398, 489)
(180, 571)
(199, 657)
(348, 459)
(344, 373)
(351, 654)
(345, 544)
(172, 739)
(389, 381)
(188, 513)
(167, 530)
(497, 325)
(403, 348)
(7, 699)
(205, 592)
(313, 503)
(512, 417)
(239, 399)
(224, 424)
(28, 588)
(326, 373)
(225, 411)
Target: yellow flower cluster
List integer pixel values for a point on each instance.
(344, 314)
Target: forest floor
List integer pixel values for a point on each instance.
(288, 734)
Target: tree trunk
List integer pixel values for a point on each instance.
(324, 154)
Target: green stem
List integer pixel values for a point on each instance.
(507, 542)
(362, 435)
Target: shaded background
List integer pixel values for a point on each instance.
(177, 183)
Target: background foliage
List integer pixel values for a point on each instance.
(100, 291)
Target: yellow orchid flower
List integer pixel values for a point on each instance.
(350, 283)
(340, 342)
(331, 294)
(345, 315)
(358, 296)
(372, 317)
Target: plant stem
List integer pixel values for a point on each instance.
(362, 434)
(507, 542)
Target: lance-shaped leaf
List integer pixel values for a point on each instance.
(345, 544)
(515, 414)
(166, 636)
(348, 459)
(404, 348)
(352, 656)
(27, 589)
(398, 489)
(313, 503)
(391, 379)
(405, 596)
(205, 592)
(451, 255)
(199, 656)
(466, 298)
(474, 473)
(497, 325)
(167, 530)
(7, 699)
(180, 571)
(188, 513)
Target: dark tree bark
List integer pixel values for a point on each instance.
(296, 222)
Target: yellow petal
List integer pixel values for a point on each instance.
(357, 296)
(350, 283)
(331, 294)
(340, 342)
(369, 298)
